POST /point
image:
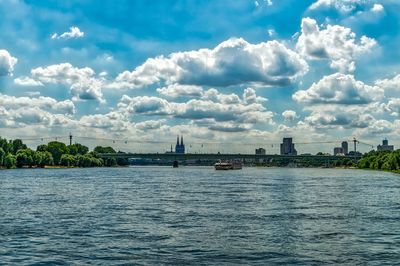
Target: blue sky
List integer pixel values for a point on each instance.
(134, 74)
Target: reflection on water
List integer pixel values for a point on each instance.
(156, 215)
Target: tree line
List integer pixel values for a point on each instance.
(16, 154)
(381, 160)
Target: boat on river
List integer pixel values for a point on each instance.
(228, 165)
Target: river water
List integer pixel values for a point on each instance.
(196, 215)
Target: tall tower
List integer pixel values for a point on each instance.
(182, 145)
(177, 146)
(345, 147)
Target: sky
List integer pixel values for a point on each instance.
(230, 76)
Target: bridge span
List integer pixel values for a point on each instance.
(218, 156)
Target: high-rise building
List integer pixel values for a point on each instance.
(179, 147)
(260, 151)
(345, 147)
(385, 146)
(338, 151)
(385, 142)
(287, 147)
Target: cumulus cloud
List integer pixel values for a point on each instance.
(27, 81)
(392, 106)
(145, 105)
(335, 43)
(73, 33)
(22, 111)
(7, 63)
(176, 90)
(289, 115)
(112, 121)
(334, 116)
(249, 96)
(339, 89)
(378, 8)
(45, 103)
(213, 107)
(83, 82)
(378, 128)
(233, 62)
(343, 6)
(150, 125)
(391, 86)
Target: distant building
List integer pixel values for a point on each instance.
(345, 147)
(260, 151)
(179, 147)
(385, 146)
(287, 147)
(338, 151)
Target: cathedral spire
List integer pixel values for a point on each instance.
(181, 140)
(177, 140)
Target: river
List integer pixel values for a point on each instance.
(199, 216)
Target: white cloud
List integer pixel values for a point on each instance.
(233, 62)
(335, 116)
(391, 86)
(45, 103)
(271, 32)
(18, 112)
(379, 128)
(73, 33)
(26, 81)
(150, 125)
(392, 106)
(289, 115)
(249, 97)
(112, 121)
(378, 8)
(84, 85)
(343, 6)
(7, 63)
(215, 96)
(335, 43)
(176, 90)
(212, 109)
(339, 89)
(145, 105)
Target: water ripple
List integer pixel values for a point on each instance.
(196, 215)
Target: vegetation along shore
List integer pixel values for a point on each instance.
(15, 154)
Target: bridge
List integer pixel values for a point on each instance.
(218, 156)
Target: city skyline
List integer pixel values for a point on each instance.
(211, 71)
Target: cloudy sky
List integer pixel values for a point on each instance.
(228, 75)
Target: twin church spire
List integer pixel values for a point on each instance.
(179, 147)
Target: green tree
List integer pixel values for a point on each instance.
(2, 156)
(47, 159)
(77, 148)
(43, 158)
(110, 162)
(57, 149)
(67, 160)
(10, 161)
(100, 149)
(42, 147)
(17, 145)
(5, 145)
(24, 157)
